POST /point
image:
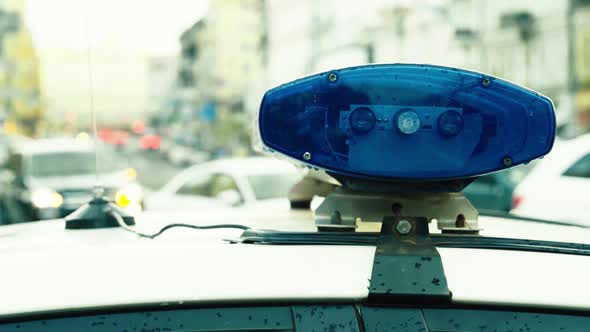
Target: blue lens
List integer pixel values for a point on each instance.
(431, 122)
(362, 120)
(450, 123)
(407, 121)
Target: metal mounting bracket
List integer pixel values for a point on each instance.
(342, 208)
(407, 266)
(313, 184)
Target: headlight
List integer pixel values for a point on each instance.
(132, 194)
(46, 198)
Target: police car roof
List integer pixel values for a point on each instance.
(46, 268)
(53, 145)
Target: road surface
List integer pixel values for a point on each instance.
(153, 171)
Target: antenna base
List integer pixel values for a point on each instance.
(97, 214)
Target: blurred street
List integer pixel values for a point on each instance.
(187, 91)
(153, 171)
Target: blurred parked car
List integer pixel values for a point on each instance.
(249, 181)
(495, 191)
(50, 178)
(559, 186)
(9, 211)
(7, 141)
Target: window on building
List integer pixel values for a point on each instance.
(190, 52)
(186, 77)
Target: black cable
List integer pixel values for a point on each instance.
(167, 227)
(438, 240)
(123, 225)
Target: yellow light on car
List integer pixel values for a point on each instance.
(56, 200)
(46, 198)
(131, 194)
(122, 200)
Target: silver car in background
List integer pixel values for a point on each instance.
(236, 182)
(50, 178)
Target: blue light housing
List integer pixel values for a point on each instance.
(403, 121)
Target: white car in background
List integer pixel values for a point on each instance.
(236, 182)
(52, 177)
(558, 188)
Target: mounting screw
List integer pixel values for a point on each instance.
(486, 81)
(307, 156)
(332, 77)
(404, 227)
(507, 161)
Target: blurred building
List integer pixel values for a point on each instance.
(581, 18)
(311, 36)
(315, 36)
(416, 33)
(188, 93)
(20, 106)
(222, 57)
(290, 40)
(538, 46)
(231, 51)
(526, 44)
(161, 79)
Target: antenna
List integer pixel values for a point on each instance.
(97, 185)
(99, 212)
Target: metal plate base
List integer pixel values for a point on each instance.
(407, 266)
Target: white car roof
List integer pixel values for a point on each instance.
(238, 167)
(46, 268)
(53, 145)
(249, 165)
(563, 155)
(567, 152)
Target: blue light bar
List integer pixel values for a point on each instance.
(404, 121)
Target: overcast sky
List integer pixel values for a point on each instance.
(151, 27)
(124, 34)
